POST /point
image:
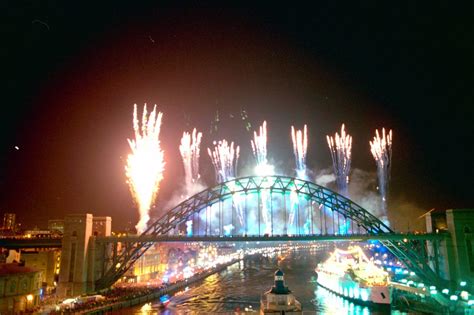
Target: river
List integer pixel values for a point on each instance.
(241, 285)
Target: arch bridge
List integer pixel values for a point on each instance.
(276, 208)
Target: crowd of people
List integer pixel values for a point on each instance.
(112, 296)
(120, 293)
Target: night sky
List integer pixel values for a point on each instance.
(71, 74)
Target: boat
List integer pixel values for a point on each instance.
(350, 274)
(164, 301)
(279, 299)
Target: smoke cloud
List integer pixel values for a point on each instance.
(403, 215)
(325, 178)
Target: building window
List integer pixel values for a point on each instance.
(74, 233)
(12, 286)
(24, 285)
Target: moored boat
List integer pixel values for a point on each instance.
(350, 274)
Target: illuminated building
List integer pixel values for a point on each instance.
(19, 288)
(149, 265)
(37, 233)
(9, 222)
(56, 226)
(46, 261)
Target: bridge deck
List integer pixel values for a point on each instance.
(257, 238)
(18, 243)
(13, 243)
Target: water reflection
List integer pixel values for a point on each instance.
(241, 285)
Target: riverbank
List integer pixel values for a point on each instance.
(153, 294)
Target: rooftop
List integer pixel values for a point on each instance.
(14, 268)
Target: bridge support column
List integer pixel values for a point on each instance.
(460, 224)
(73, 270)
(98, 251)
(79, 253)
(456, 254)
(440, 251)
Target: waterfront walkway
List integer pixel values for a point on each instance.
(123, 297)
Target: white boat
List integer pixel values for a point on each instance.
(350, 274)
(279, 299)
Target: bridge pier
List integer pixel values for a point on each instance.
(453, 257)
(81, 259)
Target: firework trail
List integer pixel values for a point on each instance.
(189, 149)
(293, 208)
(340, 148)
(381, 149)
(145, 165)
(300, 146)
(259, 144)
(259, 148)
(224, 159)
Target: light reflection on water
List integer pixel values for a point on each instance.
(242, 284)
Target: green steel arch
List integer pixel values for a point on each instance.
(406, 251)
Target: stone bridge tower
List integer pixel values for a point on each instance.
(78, 256)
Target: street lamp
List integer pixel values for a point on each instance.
(29, 299)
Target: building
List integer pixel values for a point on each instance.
(80, 259)
(20, 288)
(9, 222)
(37, 233)
(56, 226)
(46, 261)
(453, 258)
(149, 265)
(101, 226)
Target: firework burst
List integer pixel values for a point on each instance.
(224, 158)
(340, 148)
(381, 149)
(300, 147)
(189, 149)
(145, 164)
(259, 148)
